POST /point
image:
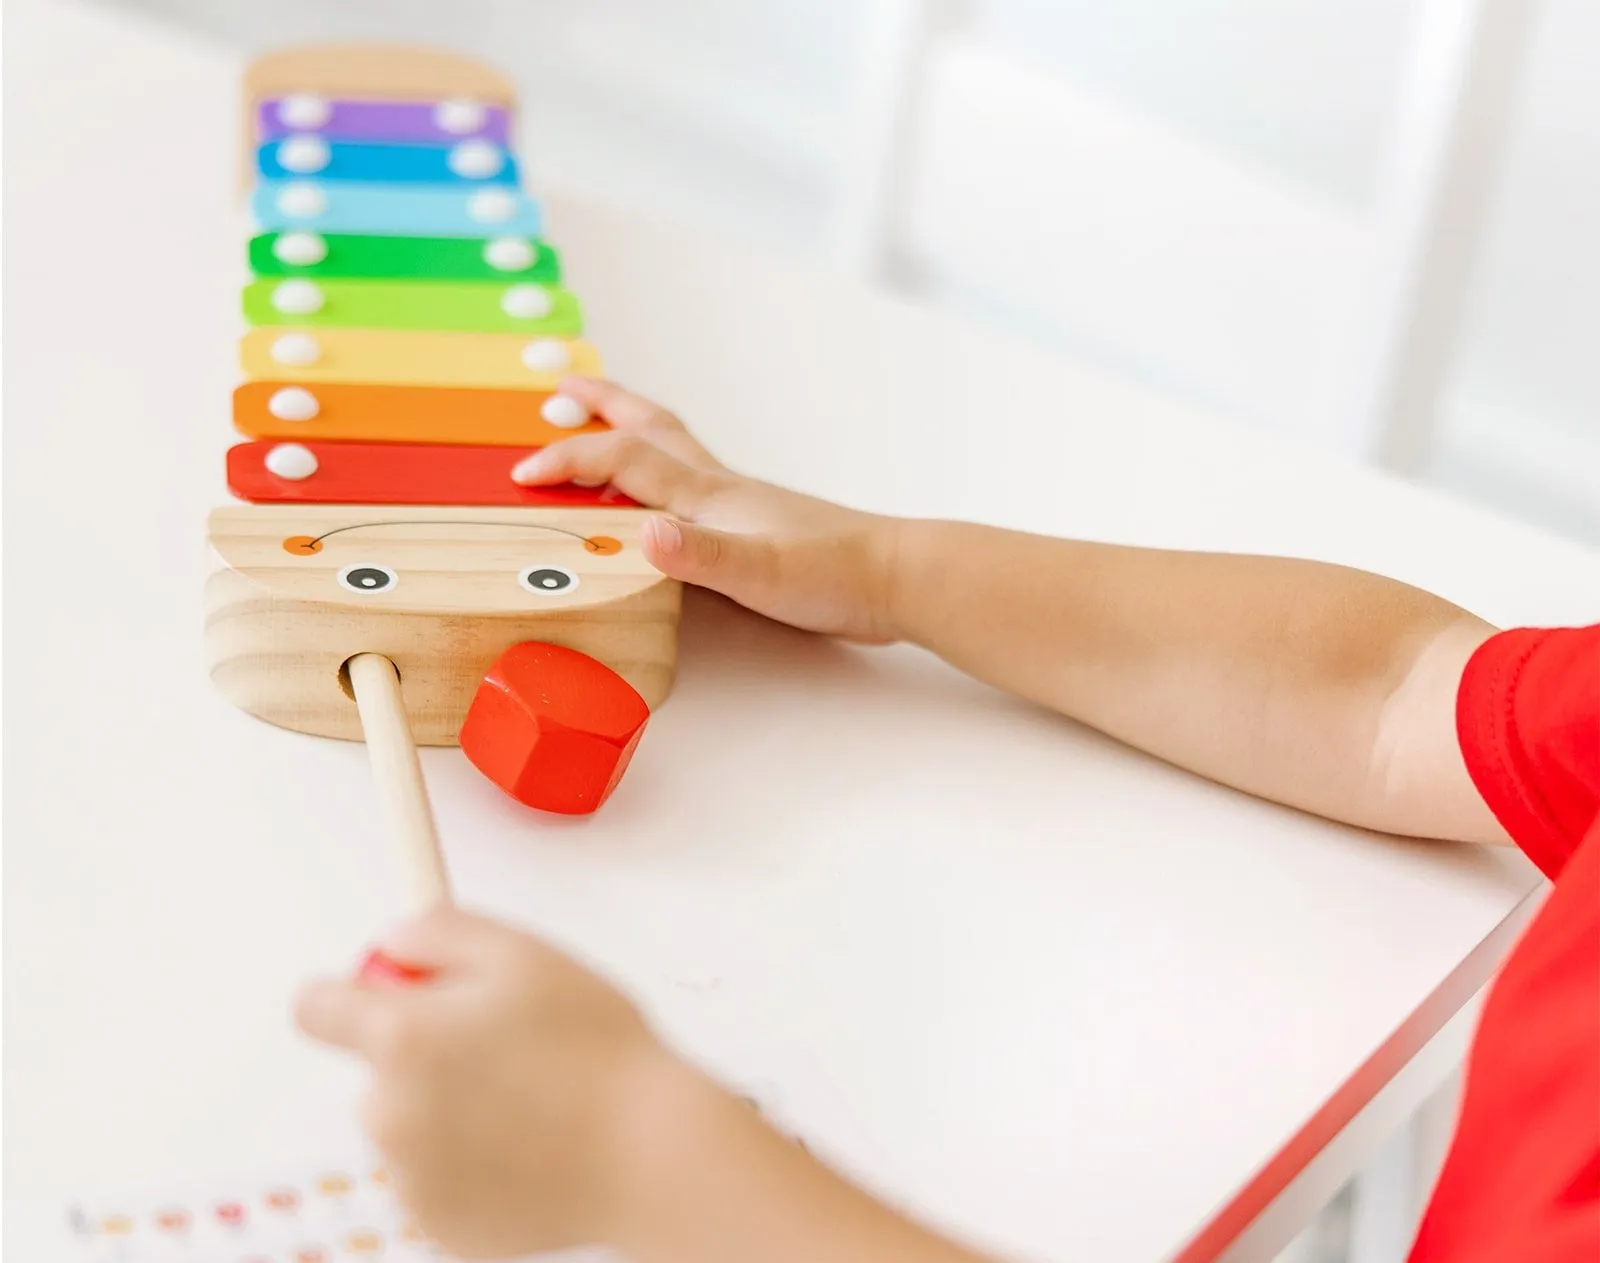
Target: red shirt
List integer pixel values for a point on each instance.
(1522, 1181)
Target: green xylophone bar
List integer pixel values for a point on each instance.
(299, 253)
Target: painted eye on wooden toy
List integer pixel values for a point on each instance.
(547, 580)
(366, 577)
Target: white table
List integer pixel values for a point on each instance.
(1048, 992)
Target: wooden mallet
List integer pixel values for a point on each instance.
(397, 772)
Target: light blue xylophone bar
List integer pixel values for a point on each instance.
(475, 162)
(394, 210)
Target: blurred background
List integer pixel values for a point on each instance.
(1367, 224)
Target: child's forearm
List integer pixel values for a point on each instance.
(717, 1185)
(1276, 676)
(1314, 685)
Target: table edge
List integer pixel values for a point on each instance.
(1233, 1217)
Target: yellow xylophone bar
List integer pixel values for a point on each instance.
(414, 357)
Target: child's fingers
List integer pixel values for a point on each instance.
(340, 1012)
(739, 566)
(634, 466)
(623, 408)
(446, 938)
(638, 415)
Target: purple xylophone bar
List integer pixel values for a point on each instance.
(397, 122)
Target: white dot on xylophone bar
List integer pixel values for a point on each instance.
(291, 461)
(302, 200)
(527, 302)
(296, 350)
(304, 154)
(304, 111)
(300, 249)
(509, 254)
(492, 206)
(297, 297)
(293, 403)
(546, 355)
(459, 118)
(476, 159)
(564, 412)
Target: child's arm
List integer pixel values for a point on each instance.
(523, 1105)
(1326, 688)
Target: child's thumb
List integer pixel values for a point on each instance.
(734, 565)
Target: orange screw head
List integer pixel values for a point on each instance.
(553, 728)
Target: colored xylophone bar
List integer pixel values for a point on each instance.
(407, 320)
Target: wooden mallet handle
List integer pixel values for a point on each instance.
(376, 684)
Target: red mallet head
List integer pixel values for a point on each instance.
(553, 728)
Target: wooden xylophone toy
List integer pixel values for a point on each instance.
(407, 330)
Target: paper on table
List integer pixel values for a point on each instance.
(331, 1212)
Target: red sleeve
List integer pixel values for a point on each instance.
(1528, 719)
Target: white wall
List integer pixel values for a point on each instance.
(1527, 380)
(732, 112)
(1301, 87)
(1305, 90)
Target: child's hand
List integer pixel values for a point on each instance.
(523, 1105)
(793, 558)
(506, 1092)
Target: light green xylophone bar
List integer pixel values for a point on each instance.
(466, 307)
